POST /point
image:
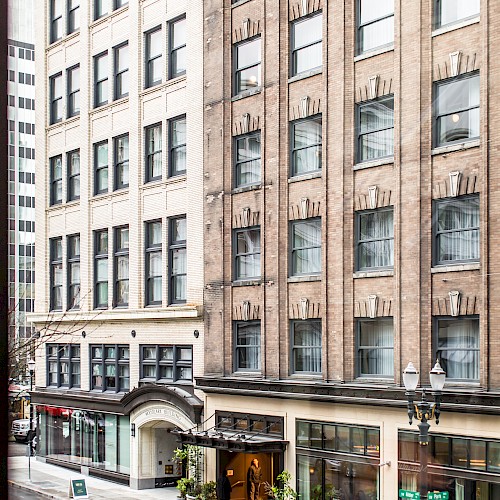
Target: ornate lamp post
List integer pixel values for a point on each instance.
(31, 367)
(424, 411)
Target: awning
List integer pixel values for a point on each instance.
(232, 441)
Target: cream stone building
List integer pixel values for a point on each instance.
(119, 302)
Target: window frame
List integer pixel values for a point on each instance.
(55, 20)
(117, 253)
(292, 249)
(118, 75)
(98, 169)
(72, 94)
(360, 26)
(293, 149)
(235, 253)
(236, 347)
(98, 9)
(148, 83)
(237, 163)
(55, 101)
(124, 164)
(435, 233)
(99, 82)
(72, 14)
(171, 49)
(172, 148)
(294, 348)
(174, 245)
(438, 16)
(101, 256)
(55, 262)
(294, 50)
(56, 181)
(71, 260)
(236, 70)
(176, 364)
(149, 160)
(117, 362)
(72, 176)
(152, 248)
(72, 360)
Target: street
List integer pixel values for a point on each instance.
(17, 449)
(19, 494)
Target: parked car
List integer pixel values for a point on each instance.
(20, 429)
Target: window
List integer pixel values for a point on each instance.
(375, 239)
(375, 24)
(73, 16)
(120, 3)
(101, 167)
(100, 8)
(457, 347)
(306, 346)
(74, 271)
(306, 247)
(154, 62)
(451, 11)
(121, 266)
(375, 347)
(307, 36)
(73, 166)
(375, 129)
(166, 363)
(56, 278)
(100, 79)
(247, 66)
(153, 263)
(456, 229)
(56, 186)
(306, 140)
(247, 346)
(457, 110)
(101, 269)
(73, 91)
(121, 71)
(247, 159)
(153, 149)
(247, 253)
(56, 20)
(63, 365)
(177, 45)
(121, 161)
(56, 89)
(177, 140)
(177, 260)
(110, 368)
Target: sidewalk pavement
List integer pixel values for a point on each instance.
(52, 481)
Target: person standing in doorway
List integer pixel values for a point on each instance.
(223, 487)
(254, 477)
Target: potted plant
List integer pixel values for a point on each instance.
(208, 491)
(185, 486)
(192, 458)
(282, 489)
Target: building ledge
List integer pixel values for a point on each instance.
(387, 160)
(304, 177)
(308, 277)
(457, 267)
(375, 52)
(373, 274)
(455, 26)
(246, 93)
(306, 74)
(474, 143)
(244, 189)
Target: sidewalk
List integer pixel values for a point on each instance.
(52, 481)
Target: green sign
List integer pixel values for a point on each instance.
(78, 488)
(409, 494)
(438, 495)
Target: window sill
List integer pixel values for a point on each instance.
(246, 93)
(456, 267)
(306, 377)
(455, 26)
(374, 163)
(306, 176)
(247, 374)
(62, 40)
(374, 52)
(108, 17)
(370, 381)
(162, 85)
(108, 106)
(245, 189)
(240, 2)
(306, 74)
(373, 274)
(300, 279)
(255, 282)
(473, 143)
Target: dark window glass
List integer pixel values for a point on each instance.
(154, 60)
(306, 141)
(306, 247)
(166, 363)
(73, 91)
(63, 365)
(376, 348)
(100, 8)
(307, 36)
(177, 48)
(247, 65)
(121, 71)
(375, 24)
(56, 187)
(73, 166)
(153, 151)
(74, 272)
(451, 11)
(100, 79)
(121, 153)
(56, 91)
(121, 288)
(101, 269)
(306, 346)
(153, 263)
(110, 370)
(101, 167)
(246, 253)
(247, 160)
(247, 350)
(177, 150)
(177, 260)
(56, 20)
(56, 274)
(73, 16)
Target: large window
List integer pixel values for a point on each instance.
(375, 347)
(375, 24)
(246, 253)
(306, 247)
(73, 16)
(100, 8)
(153, 152)
(177, 146)
(154, 60)
(166, 363)
(121, 61)
(306, 346)
(121, 153)
(121, 267)
(306, 140)
(101, 167)
(177, 47)
(73, 84)
(247, 346)
(100, 79)
(153, 263)
(101, 269)
(307, 36)
(456, 229)
(457, 347)
(247, 65)
(375, 239)
(56, 274)
(56, 20)
(457, 110)
(63, 365)
(451, 11)
(74, 271)
(56, 187)
(247, 159)
(375, 129)
(56, 98)
(110, 368)
(177, 260)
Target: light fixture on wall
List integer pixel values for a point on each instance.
(84, 334)
(132, 430)
(196, 334)
(133, 333)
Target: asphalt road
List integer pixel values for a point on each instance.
(19, 494)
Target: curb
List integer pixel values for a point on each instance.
(25, 487)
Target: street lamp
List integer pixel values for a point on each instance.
(31, 367)
(424, 411)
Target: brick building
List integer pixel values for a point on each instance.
(350, 185)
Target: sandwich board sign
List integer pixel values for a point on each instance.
(78, 488)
